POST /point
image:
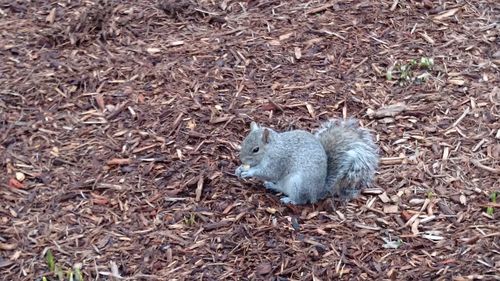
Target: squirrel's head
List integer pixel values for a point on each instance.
(255, 145)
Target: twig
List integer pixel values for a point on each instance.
(484, 167)
(394, 5)
(319, 9)
(460, 118)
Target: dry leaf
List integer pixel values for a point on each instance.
(7, 247)
(119, 161)
(52, 16)
(99, 199)
(191, 124)
(140, 98)
(263, 268)
(427, 38)
(298, 53)
(272, 211)
(274, 43)
(391, 209)
(463, 199)
(114, 269)
(406, 215)
(384, 198)
(458, 82)
(414, 227)
(176, 43)
(312, 215)
(54, 151)
(416, 201)
(374, 191)
(199, 188)
(387, 111)
(153, 51)
(446, 14)
(310, 109)
(100, 102)
(15, 183)
(286, 36)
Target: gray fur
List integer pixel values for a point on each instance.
(352, 157)
(340, 159)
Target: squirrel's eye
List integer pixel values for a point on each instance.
(255, 149)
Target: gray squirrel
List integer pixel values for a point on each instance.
(339, 159)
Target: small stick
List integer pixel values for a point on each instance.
(394, 5)
(319, 9)
(460, 118)
(199, 188)
(484, 167)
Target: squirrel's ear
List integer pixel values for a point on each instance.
(265, 136)
(253, 126)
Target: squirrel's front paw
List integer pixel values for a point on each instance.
(269, 185)
(246, 174)
(242, 171)
(238, 171)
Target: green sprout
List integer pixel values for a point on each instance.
(392, 244)
(493, 198)
(429, 194)
(49, 257)
(426, 62)
(78, 274)
(191, 220)
(71, 275)
(388, 75)
(405, 72)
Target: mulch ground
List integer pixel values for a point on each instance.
(120, 124)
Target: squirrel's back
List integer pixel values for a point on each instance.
(303, 149)
(303, 161)
(352, 157)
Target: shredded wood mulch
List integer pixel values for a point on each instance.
(121, 120)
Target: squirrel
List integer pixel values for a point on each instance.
(339, 159)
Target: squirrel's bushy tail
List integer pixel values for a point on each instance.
(352, 157)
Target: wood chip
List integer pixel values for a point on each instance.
(199, 188)
(458, 82)
(414, 227)
(484, 167)
(384, 198)
(391, 209)
(286, 36)
(298, 53)
(373, 191)
(387, 111)
(447, 14)
(263, 268)
(51, 17)
(427, 38)
(153, 51)
(310, 109)
(320, 8)
(119, 161)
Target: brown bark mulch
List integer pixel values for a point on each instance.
(120, 123)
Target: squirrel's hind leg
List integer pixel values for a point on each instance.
(349, 194)
(292, 188)
(338, 202)
(276, 188)
(287, 200)
(295, 189)
(271, 186)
